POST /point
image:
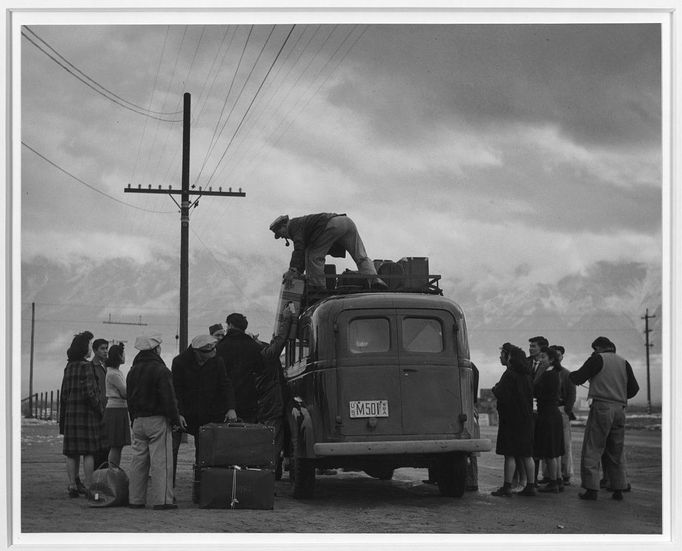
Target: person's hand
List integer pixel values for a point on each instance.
(289, 276)
(231, 415)
(183, 423)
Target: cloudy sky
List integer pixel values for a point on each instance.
(515, 157)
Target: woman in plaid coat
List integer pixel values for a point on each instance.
(81, 412)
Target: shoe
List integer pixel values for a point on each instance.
(603, 483)
(628, 489)
(136, 506)
(165, 507)
(590, 495)
(551, 488)
(502, 492)
(566, 480)
(73, 490)
(326, 472)
(544, 480)
(428, 481)
(379, 285)
(617, 495)
(529, 490)
(80, 486)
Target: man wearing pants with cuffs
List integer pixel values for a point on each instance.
(153, 410)
(612, 383)
(317, 235)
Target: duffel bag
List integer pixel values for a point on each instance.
(109, 487)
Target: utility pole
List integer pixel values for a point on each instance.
(185, 206)
(30, 373)
(646, 319)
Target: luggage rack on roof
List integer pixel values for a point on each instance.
(352, 282)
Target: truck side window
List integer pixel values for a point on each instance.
(422, 335)
(368, 335)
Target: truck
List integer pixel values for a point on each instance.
(381, 380)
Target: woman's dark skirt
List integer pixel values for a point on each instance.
(117, 425)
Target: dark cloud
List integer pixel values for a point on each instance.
(600, 84)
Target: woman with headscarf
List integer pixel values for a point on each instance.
(549, 431)
(116, 417)
(514, 393)
(81, 413)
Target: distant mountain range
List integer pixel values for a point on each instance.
(609, 299)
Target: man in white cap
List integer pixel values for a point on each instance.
(153, 411)
(203, 390)
(317, 235)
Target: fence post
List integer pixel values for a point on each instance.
(35, 406)
(51, 403)
(59, 404)
(41, 412)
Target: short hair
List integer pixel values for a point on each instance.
(551, 354)
(80, 346)
(99, 342)
(540, 341)
(558, 348)
(115, 355)
(237, 320)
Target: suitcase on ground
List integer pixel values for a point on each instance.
(226, 488)
(244, 444)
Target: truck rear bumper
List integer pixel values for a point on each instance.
(402, 447)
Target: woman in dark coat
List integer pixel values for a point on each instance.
(514, 393)
(549, 431)
(81, 412)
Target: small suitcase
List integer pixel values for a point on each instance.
(227, 444)
(225, 488)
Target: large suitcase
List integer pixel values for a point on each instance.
(224, 488)
(244, 444)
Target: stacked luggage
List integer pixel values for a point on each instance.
(235, 466)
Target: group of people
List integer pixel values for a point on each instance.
(227, 375)
(535, 399)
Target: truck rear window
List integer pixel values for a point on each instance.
(368, 335)
(422, 335)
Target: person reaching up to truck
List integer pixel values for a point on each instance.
(317, 235)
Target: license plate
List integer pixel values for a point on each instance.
(368, 408)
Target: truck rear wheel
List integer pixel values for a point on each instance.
(452, 474)
(303, 471)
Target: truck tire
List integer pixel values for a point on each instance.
(303, 471)
(452, 475)
(382, 473)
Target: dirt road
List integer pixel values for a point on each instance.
(350, 502)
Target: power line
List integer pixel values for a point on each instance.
(93, 188)
(250, 104)
(96, 86)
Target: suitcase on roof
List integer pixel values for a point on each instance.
(243, 444)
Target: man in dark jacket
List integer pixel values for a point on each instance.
(612, 384)
(243, 360)
(317, 235)
(202, 388)
(153, 411)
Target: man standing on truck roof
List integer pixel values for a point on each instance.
(315, 236)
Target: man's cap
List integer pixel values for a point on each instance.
(147, 342)
(283, 219)
(201, 341)
(215, 328)
(602, 342)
